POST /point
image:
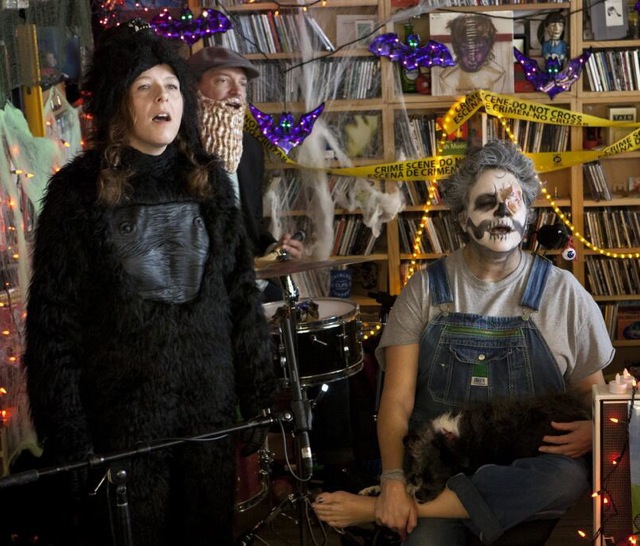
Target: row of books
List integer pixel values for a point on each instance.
(312, 284)
(440, 234)
(270, 32)
(535, 137)
(352, 237)
(607, 277)
(596, 181)
(613, 228)
(416, 193)
(339, 80)
(531, 136)
(614, 70)
(622, 319)
(420, 135)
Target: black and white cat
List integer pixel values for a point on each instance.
(495, 432)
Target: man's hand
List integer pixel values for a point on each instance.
(575, 442)
(294, 247)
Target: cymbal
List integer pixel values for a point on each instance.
(289, 267)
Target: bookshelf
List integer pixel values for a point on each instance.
(611, 220)
(406, 123)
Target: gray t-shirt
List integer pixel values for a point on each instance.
(569, 319)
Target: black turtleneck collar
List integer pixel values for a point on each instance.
(150, 165)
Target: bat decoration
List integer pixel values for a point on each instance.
(188, 28)
(286, 134)
(553, 79)
(410, 54)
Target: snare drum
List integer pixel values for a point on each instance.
(329, 348)
(252, 478)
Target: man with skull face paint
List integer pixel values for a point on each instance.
(489, 320)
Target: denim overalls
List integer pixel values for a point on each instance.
(466, 357)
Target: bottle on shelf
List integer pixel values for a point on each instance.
(408, 77)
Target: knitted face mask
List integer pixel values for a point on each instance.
(221, 131)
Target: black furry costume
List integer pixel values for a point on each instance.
(498, 431)
(111, 364)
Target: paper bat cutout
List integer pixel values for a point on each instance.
(553, 79)
(190, 29)
(410, 55)
(286, 134)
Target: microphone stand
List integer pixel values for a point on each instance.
(118, 476)
(300, 406)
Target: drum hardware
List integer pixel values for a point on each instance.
(314, 339)
(252, 478)
(329, 347)
(334, 338)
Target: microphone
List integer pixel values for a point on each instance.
(301, 427)
(21, 478)
(283, 255)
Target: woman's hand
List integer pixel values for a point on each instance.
(574, 442)
(396, 509)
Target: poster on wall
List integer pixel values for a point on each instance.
(482, 46)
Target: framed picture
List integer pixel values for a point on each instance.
(364, 31)
(354, 29)
(482, 46)
(520, 41)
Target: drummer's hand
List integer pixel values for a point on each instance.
(294, 247)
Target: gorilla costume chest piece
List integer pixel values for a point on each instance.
(163, 248)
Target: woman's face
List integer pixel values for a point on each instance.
(496, 213)
(156, 109)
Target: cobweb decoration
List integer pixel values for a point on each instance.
(336, 136)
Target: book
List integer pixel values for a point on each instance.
(622, 114)
(628, 322)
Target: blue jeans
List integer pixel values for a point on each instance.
(499, 497)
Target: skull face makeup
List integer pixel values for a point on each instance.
(496, 213)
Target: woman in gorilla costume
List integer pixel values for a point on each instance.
(144, 320)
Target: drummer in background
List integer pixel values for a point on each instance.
(223, 76)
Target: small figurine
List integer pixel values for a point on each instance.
(550, 35)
